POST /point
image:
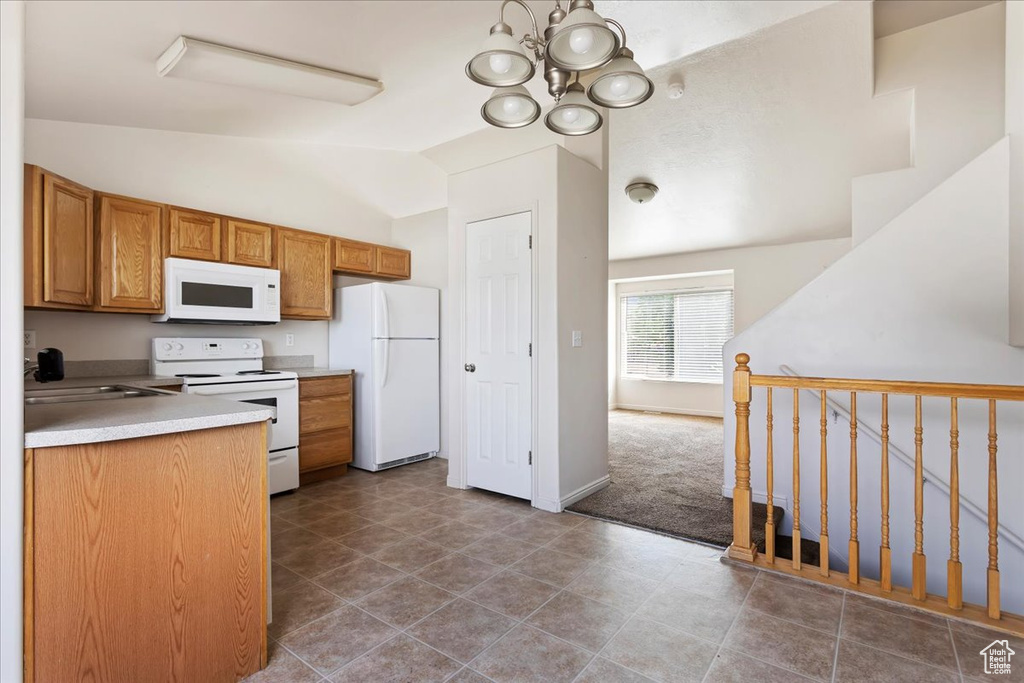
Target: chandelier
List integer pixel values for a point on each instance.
(575, 42)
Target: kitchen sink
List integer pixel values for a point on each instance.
(103, 393)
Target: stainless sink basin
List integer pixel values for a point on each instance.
(103, 393)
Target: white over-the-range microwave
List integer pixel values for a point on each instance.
(205, 292)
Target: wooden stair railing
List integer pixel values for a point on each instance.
(744, 550)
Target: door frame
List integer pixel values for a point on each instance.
(533, 208)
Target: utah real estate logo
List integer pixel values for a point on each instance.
(997, 657)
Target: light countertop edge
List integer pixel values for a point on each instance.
(305, 373)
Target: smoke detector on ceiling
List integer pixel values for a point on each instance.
(641, 193)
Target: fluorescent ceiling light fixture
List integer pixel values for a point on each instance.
(201, 61)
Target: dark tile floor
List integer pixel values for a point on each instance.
(395, 577)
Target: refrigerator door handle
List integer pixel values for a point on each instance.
(387, 363)
(386, 313)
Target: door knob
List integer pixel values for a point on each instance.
(470, 367)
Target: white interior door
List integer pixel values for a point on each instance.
(498, 372)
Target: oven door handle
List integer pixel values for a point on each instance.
(242, 388)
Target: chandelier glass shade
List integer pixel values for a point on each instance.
(575, 41)
(574, 114)
(510, 108)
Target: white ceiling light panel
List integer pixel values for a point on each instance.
(201, 61)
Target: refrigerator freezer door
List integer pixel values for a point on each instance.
(406, 396)
(404, 312)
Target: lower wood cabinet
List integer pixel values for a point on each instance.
(129, 254)
(145, 559)
(325, 427)
(305, 260)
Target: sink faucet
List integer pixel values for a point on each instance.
(30, 367)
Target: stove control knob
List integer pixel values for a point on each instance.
(245, 345)
(167, 346)
(179, 346)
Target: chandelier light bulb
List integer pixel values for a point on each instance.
(513, 106)
(581, 40)
(570, 115)
(619, 86)
(500, 63)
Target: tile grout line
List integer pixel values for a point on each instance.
(732, 625)
(956, 654)
(839, 638)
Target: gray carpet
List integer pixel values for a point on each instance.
(666, 473)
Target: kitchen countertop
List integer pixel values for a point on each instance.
(131, 380)
(65, 424)
(321, 372)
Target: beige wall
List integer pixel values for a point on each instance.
(1015, 129)
(763, 276)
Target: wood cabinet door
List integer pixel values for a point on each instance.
(354, 257)
(249, 244)
(194, 235)
(67, 242)
(304, 259)
(130, 259)
(394, 263)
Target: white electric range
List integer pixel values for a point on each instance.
(232, 369)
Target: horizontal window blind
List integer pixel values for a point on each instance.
(676, 336)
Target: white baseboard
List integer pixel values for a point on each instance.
(454, 483)
(673, 411)
(584, 491)
(760, 497)
(546, 504)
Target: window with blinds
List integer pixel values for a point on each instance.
(675, 336)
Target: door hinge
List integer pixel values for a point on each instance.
(530, 459)
(531, 349)
(531, 241)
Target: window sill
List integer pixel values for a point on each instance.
(628, 378)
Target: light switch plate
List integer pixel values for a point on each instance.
(30, 339)
(577, 338)
(289, 339)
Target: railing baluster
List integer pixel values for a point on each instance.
(885, 554)
(919, 586)
(769, 527)
(854, 575)
(742, 547)
(993, 517)
(954, 570)
(796, 479)
(823, 536)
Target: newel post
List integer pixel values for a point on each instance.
(742, 547)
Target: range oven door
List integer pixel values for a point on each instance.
(283, 431)
(198, 291)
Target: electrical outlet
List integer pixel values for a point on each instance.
(577, 338)
(289, 339)
(30, 339)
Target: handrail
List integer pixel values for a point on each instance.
(929, 476)
(999, 392)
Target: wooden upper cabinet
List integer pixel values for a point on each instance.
(393, 263)
(58, 241)
(130, 254)
(354, 257)
(249, 244)
(304, 259)
(193, 234)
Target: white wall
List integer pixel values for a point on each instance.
(1015, 129)
(763, 276)
(12, 437)
(686, 398)
(312, 187)
(426, 235)
(530, 182)
(925, 298)
(954, 67)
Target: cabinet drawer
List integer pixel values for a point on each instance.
(325, 386)
(325, 449)
(325, 412)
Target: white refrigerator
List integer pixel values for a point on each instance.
(388, 335)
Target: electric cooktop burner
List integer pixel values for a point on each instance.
(259, 372)
(188, 375)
